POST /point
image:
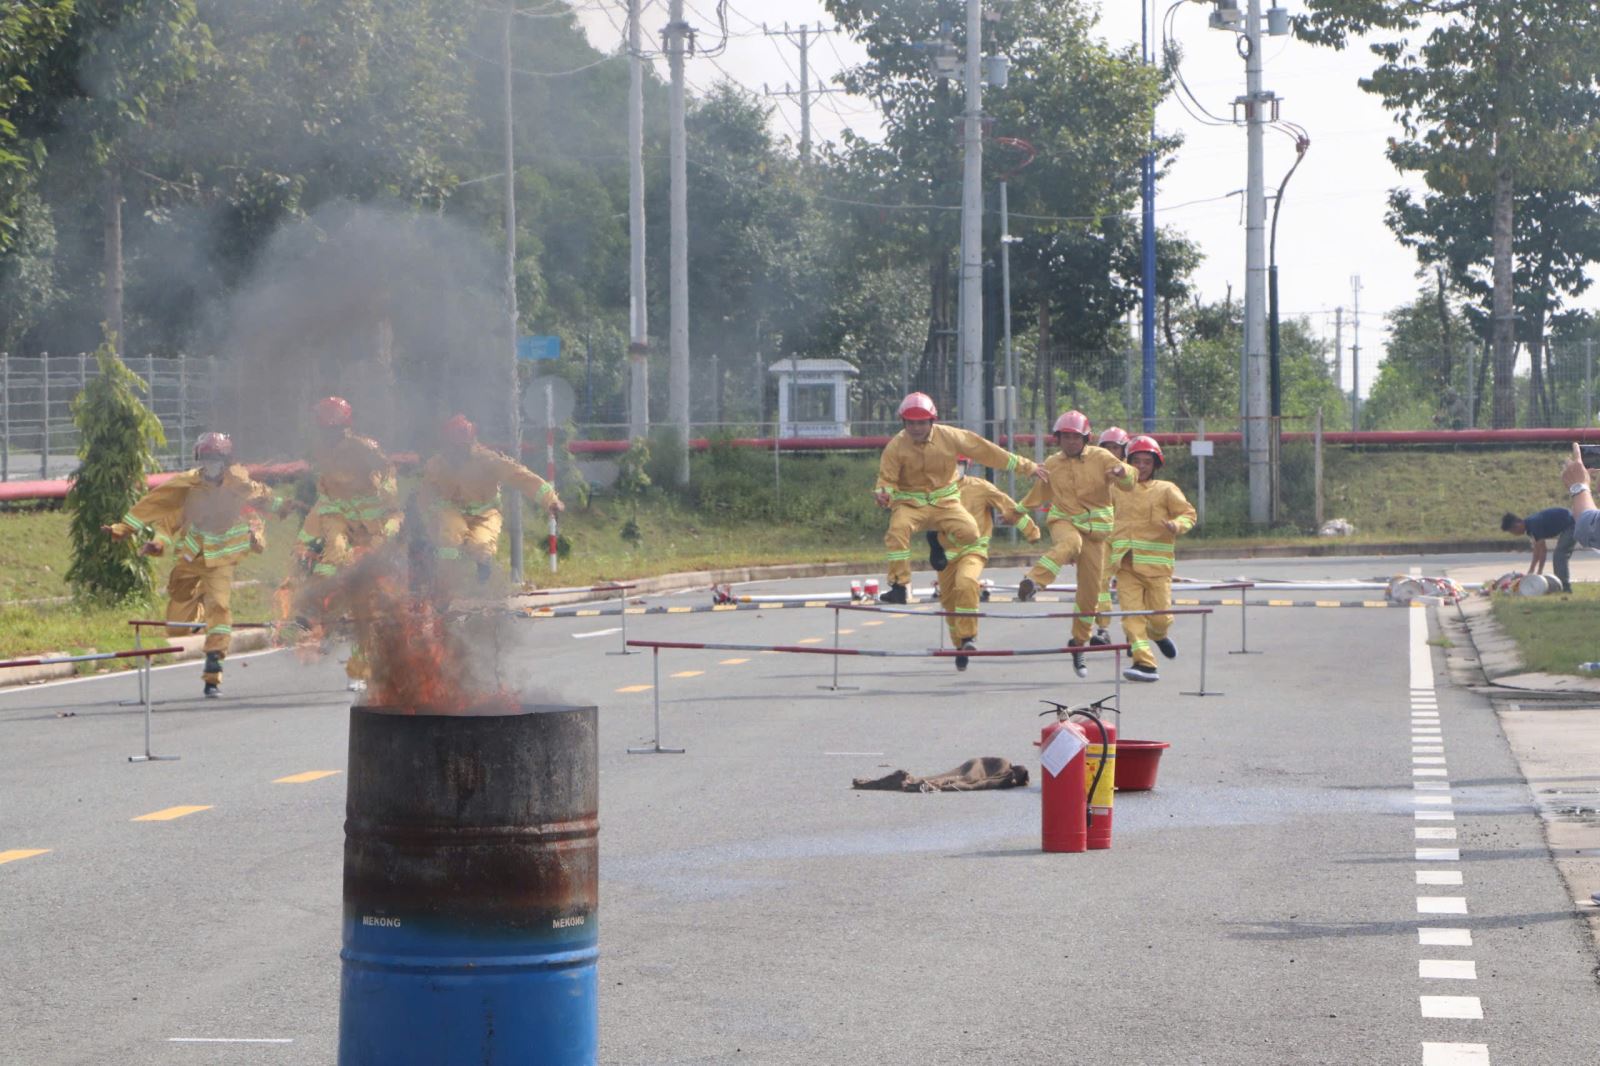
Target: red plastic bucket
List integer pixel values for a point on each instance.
(1137, 762)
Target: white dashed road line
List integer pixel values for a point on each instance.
(1432, 802)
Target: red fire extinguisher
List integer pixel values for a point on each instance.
(1063, 810)
(1075, 811)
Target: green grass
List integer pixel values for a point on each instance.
(731, 517)
(1553, 633)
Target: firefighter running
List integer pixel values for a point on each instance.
(1114, 440)
(459, 496)
(917, 485)
(960, 568)
(1149, 520)
(357, 509)
(206, 516)
(1080, 519)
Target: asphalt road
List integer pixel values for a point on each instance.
(1269, 903)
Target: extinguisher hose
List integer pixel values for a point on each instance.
(1105, 757)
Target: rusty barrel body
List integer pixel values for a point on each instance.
(471, 885)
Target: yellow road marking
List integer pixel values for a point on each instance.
(1229, 603)
(845, 632)
(21, 853)
(1374, 603)
(732, 662)
(635, 688)
(816, 603)
(688, 673)
(584, 614)
(634, 610)
(1327, 603)
(1185, 603)
(679, 610)
(1280, 603)
(169, 814)
(809, 640)
(872, 623)
(300, 779)
(725, 607)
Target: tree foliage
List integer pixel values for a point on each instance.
(118, 436)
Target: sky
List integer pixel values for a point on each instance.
(1330, 228)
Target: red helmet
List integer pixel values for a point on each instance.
(333, 412)
(918, 407)
(1114, 435)
(1072, 422)
(213, 446)
(459, 430)
(1147, 444)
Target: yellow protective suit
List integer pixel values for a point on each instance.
(1142, 555)
(921, 482)
(208, 528)
(358, 501)
(461, 499)
(959, 589)
(1080, 520)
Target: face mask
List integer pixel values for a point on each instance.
(212, 469)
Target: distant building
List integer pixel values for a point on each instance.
(813, 397)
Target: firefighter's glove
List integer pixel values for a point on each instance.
(391, 526)
(150, 547)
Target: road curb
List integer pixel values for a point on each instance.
(193, 648)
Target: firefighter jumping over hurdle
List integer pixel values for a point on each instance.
(1080, 520)
(1149, 520)
(208, 518)
(917, 484)
(961, 568)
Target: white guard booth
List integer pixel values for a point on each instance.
(813, 397)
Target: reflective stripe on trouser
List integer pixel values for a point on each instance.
(908, 519)
(341, 537)
(1142, 592)
(1069, 543)
(200, 593)
(959, 592)
(1103, 604)
(456, 533)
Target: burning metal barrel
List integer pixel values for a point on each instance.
(471, 885)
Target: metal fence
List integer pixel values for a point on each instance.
(37, 435)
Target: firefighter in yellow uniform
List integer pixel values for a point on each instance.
(1080, 520)
(207, 518)
(357, 509)
(1149, 520)
(460, 495)
(959, 591)
(1115, 441)
(917, 484)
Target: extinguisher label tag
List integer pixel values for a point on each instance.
(1062, 749)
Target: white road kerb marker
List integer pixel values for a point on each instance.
(1432, 936)
(1447, 969)
(1455, 1054)
(1452, 1007)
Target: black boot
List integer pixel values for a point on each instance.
(1169, 649)
(484, 570)
(895, 594)
(1079, 666)
(936, 556)
(1026, 589)
(213, 669)
(1099, 637)
(965, 645)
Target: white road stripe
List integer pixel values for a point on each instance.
(1437, 937)
(1428, 832)
(1421, 654)
(597, 633)
(1451, 1007)
(1447, 969)
(1455, 1054)
(1433, 816)
(1427, 760)
(852, 753)
(1433, 801)
(1439, 877)
(1430, 786)
(1441, 904)
(1438, 854)
(228, 1040)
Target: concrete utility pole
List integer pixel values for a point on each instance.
(972, 406)
(1355, 356)
(1338, 346)
(1257, 104)
(678, 343)
(1147, 247)
(513, 508)
(806, 91)
(638, 311)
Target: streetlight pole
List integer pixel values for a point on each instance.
(513, 505)
(972, 406)
(678, 343)
(1147, 183)
(638, 311)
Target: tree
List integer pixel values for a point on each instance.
(1499, 97)
(1424, 380)
(29, 30)
(117, 439)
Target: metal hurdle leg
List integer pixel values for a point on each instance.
(1116, 665)
(622, 614)
(1244, 595)
(1203, 620)
(142, 679)
(149, 756)
(655, 747)
(836, 687)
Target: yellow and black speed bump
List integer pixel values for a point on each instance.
(600, 612)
